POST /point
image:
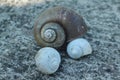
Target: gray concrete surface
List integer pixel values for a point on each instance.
(18, 47)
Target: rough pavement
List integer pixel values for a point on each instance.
(18, 47)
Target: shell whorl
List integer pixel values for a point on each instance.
(72, 24)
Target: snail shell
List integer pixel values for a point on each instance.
(48, 60)
(57, 25)
(78, 48)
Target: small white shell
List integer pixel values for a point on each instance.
(48, 60)
(78, 48)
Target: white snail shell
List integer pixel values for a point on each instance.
(48, 60)
(78, 48)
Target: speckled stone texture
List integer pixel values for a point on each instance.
(18, 47)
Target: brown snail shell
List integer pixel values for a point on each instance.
(61, 25)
